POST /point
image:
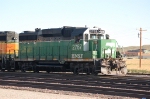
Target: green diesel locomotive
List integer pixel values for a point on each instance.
(75, 49)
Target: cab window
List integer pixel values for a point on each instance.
(86, 37)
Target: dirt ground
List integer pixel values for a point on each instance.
(134, 64)
(17, 93)
(22, 94)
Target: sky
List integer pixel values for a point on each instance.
(121, 19)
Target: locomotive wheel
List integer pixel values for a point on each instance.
(35, 68)
(87, 71)
(95, 73)
(23, 70)
(13, 70)
(3, 70)
(76, 71)
(48, 71)
(23, 67)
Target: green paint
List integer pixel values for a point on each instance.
(61, 50)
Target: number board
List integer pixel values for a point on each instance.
(77, 47)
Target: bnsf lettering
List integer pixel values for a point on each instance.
(77, 55)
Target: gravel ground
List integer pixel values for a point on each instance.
(22, 94)
(12, 92)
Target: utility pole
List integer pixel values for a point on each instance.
(140, 45)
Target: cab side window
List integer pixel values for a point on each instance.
(77, 39)
(86, 37)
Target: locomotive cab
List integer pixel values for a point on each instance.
(101, 43)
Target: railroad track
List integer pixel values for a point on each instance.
(128, 86)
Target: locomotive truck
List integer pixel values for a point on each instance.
(66, 49)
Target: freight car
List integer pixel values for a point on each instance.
(75, 49)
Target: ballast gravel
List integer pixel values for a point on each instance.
(13, 92)
(22, 94)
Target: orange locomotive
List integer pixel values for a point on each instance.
(9, 47)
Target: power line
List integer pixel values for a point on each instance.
(147, 38)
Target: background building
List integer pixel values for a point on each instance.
(136, 53)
